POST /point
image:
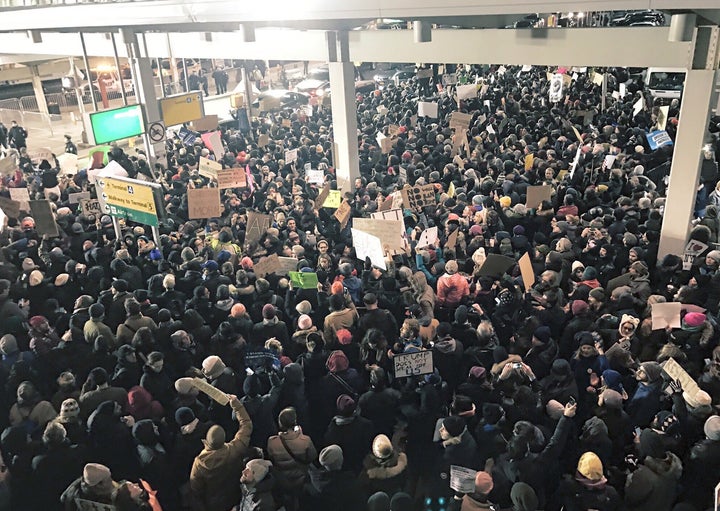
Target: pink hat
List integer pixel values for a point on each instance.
(483, 483)
(238, 310)
(246, 263)
(344, 336)
(694, 319)
(305, 322)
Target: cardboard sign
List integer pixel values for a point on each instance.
(425, 73)
(22, 196)
(44, 218)
(427, 109)
(496, 265)
(467, 91)
(459, 120)
(8, 166)
(529, 160)
(333, 200)
(10, 207)
(40, 154)
(213, 142)
(537, 194)
(414, 364)
(448, 79)
(557, 85)
(68, 163)
(286, 265)
(232, 178)
(662, 117)
(417, 197)
(303, 280)
(462, 479)
(367, 245)
(257, 224)
(666, 315)
(207, 123)
(291, 155)
(692, 250)
(266, 266)
(638, 106)
(74, 198)
(91, 207)
(676, 372)
(451, 242)
(263, 140)
(598, 79)
(387, 230)
(658, 139)
(212, 392)
(343, 213)
(428, 237)
(203, 202)
(209, 168)
(526, 271)
(322, 196)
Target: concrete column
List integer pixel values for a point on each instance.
(38, 90)
(686, 162)
(344, 112)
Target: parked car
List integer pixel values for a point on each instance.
(313, 87)
(278, 99)
(403, 74)
(386, 75)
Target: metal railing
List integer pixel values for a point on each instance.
(31, 121)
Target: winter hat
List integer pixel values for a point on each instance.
(714, 255)
(331, 458)
(712, 427)
(579, 307)
(36, 278)
(454, 425)
(28, 265)
(66, 379)
(584, 338)
(640, 267)
(378, 501)
(477, 372)
(542, 334)
(698, 399)
(268, 311)
(344, 336)
(694, 319)
(483, 483)
(451, 267)
(666, 422)
(97, 310)
(95, 473)
(598, 294)
(210, 266)
(492, 413)
(345, 405)
(337, 362)
(505, 201)
(215, 437)
(238, 310)
(287, 418)
(304, 322)
(612, 380)
(184, 416)
(523, 497)
(8, 344)
(653, 370)
(382, 448)
(69, 409)
(590, 273)
(612, 399)
(259, 469)
(213, 366)
(590, 466)
(627, 318)
(184, 386)
(576, 265)
(304, 307)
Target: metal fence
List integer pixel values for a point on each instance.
(56, 101)
(29, 120)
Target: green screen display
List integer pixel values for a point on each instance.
(117, 124)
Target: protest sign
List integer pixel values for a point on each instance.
(68, 163)
(44, 218)
(266, 265)
(212, 392)
(322, 196)
(367, 245)
(609, 161)
(622, 280)
(638, 106)
(427, 109)
(496, 265)
(462, 479)
(257, 224)
(451, 242)
(22, 196)
(529, 160)
(209, 168)
(207, 123)
(214, 142)
(676, 372)
(54, 190)
(526, 271)
(598, 79)
(291, 155)
(74, 198)
(303, 280)
(662, 117)
(286, 265)
(41, 153)
(388, 231)
(467, 91)
(557, 85)
(90, 207)
(459, 120)
(425, 73)
(203, 202)
(343, 213)
(658, 139)
(417, 197)
(10, 207)
(315, 176)
(666, 315)
(428, 237)
(333, 200)
(413, 364)
(692, 250)
(232, 178)
(537, 194)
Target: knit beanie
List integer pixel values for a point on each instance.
(69, 409)
(238, 310)
(8, 344)
(590, 466)
(304, 322)
(184, 416)
(483, 483)
(213, 366)
(382, 447)
(259, 469)
(579, 307)
(215, 437)
(331, 458)
(304, 307)
(712, 427)
(454, 425)
(95, 473)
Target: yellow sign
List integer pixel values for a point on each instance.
(128, 195)
(182, 108)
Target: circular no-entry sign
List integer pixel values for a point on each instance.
(156, 132)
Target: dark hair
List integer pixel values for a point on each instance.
(99, 376)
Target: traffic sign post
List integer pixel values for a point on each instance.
(156, 132)
(128, 198)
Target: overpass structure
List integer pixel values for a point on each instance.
(323, 30)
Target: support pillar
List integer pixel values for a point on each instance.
(344, 111)
(686, 162)
(38, 90)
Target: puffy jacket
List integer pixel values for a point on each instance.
(291, 468)
(451, 289)
(653, 486)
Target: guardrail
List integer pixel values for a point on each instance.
(29, 120)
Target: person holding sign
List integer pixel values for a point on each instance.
(216, 470)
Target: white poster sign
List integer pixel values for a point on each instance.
(367, 245)
(427, 109)
(413, 364)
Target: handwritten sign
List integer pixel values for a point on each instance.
(44, 218)
(10, 207)
(90, 207)
(213, 141)
(74, 198)
(40, 154)
(257, 224)
(467, 91)
(417, 197)
(658, 138)
(459, 120)
(209, 168)
(287, 264)
(322, 196)
(291, 155)
(676, 372)
(212, 392)
(428, 237)
(366, 245)
(666, 315)
(425, 73)
(303, 280)
(462, 479)
(266, 265)
(692, 250)
(203, 202)
(526, 271)
(343, 213)
(427, 109)
(537, 194)
(388, 231)
(232, 178)
(22, 196)
(413, 364)
(333, 200)
(315, 176)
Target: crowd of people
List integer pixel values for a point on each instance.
(555, 396)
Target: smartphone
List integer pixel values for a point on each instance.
(571, 401)
(637, 431)
(517, 365)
